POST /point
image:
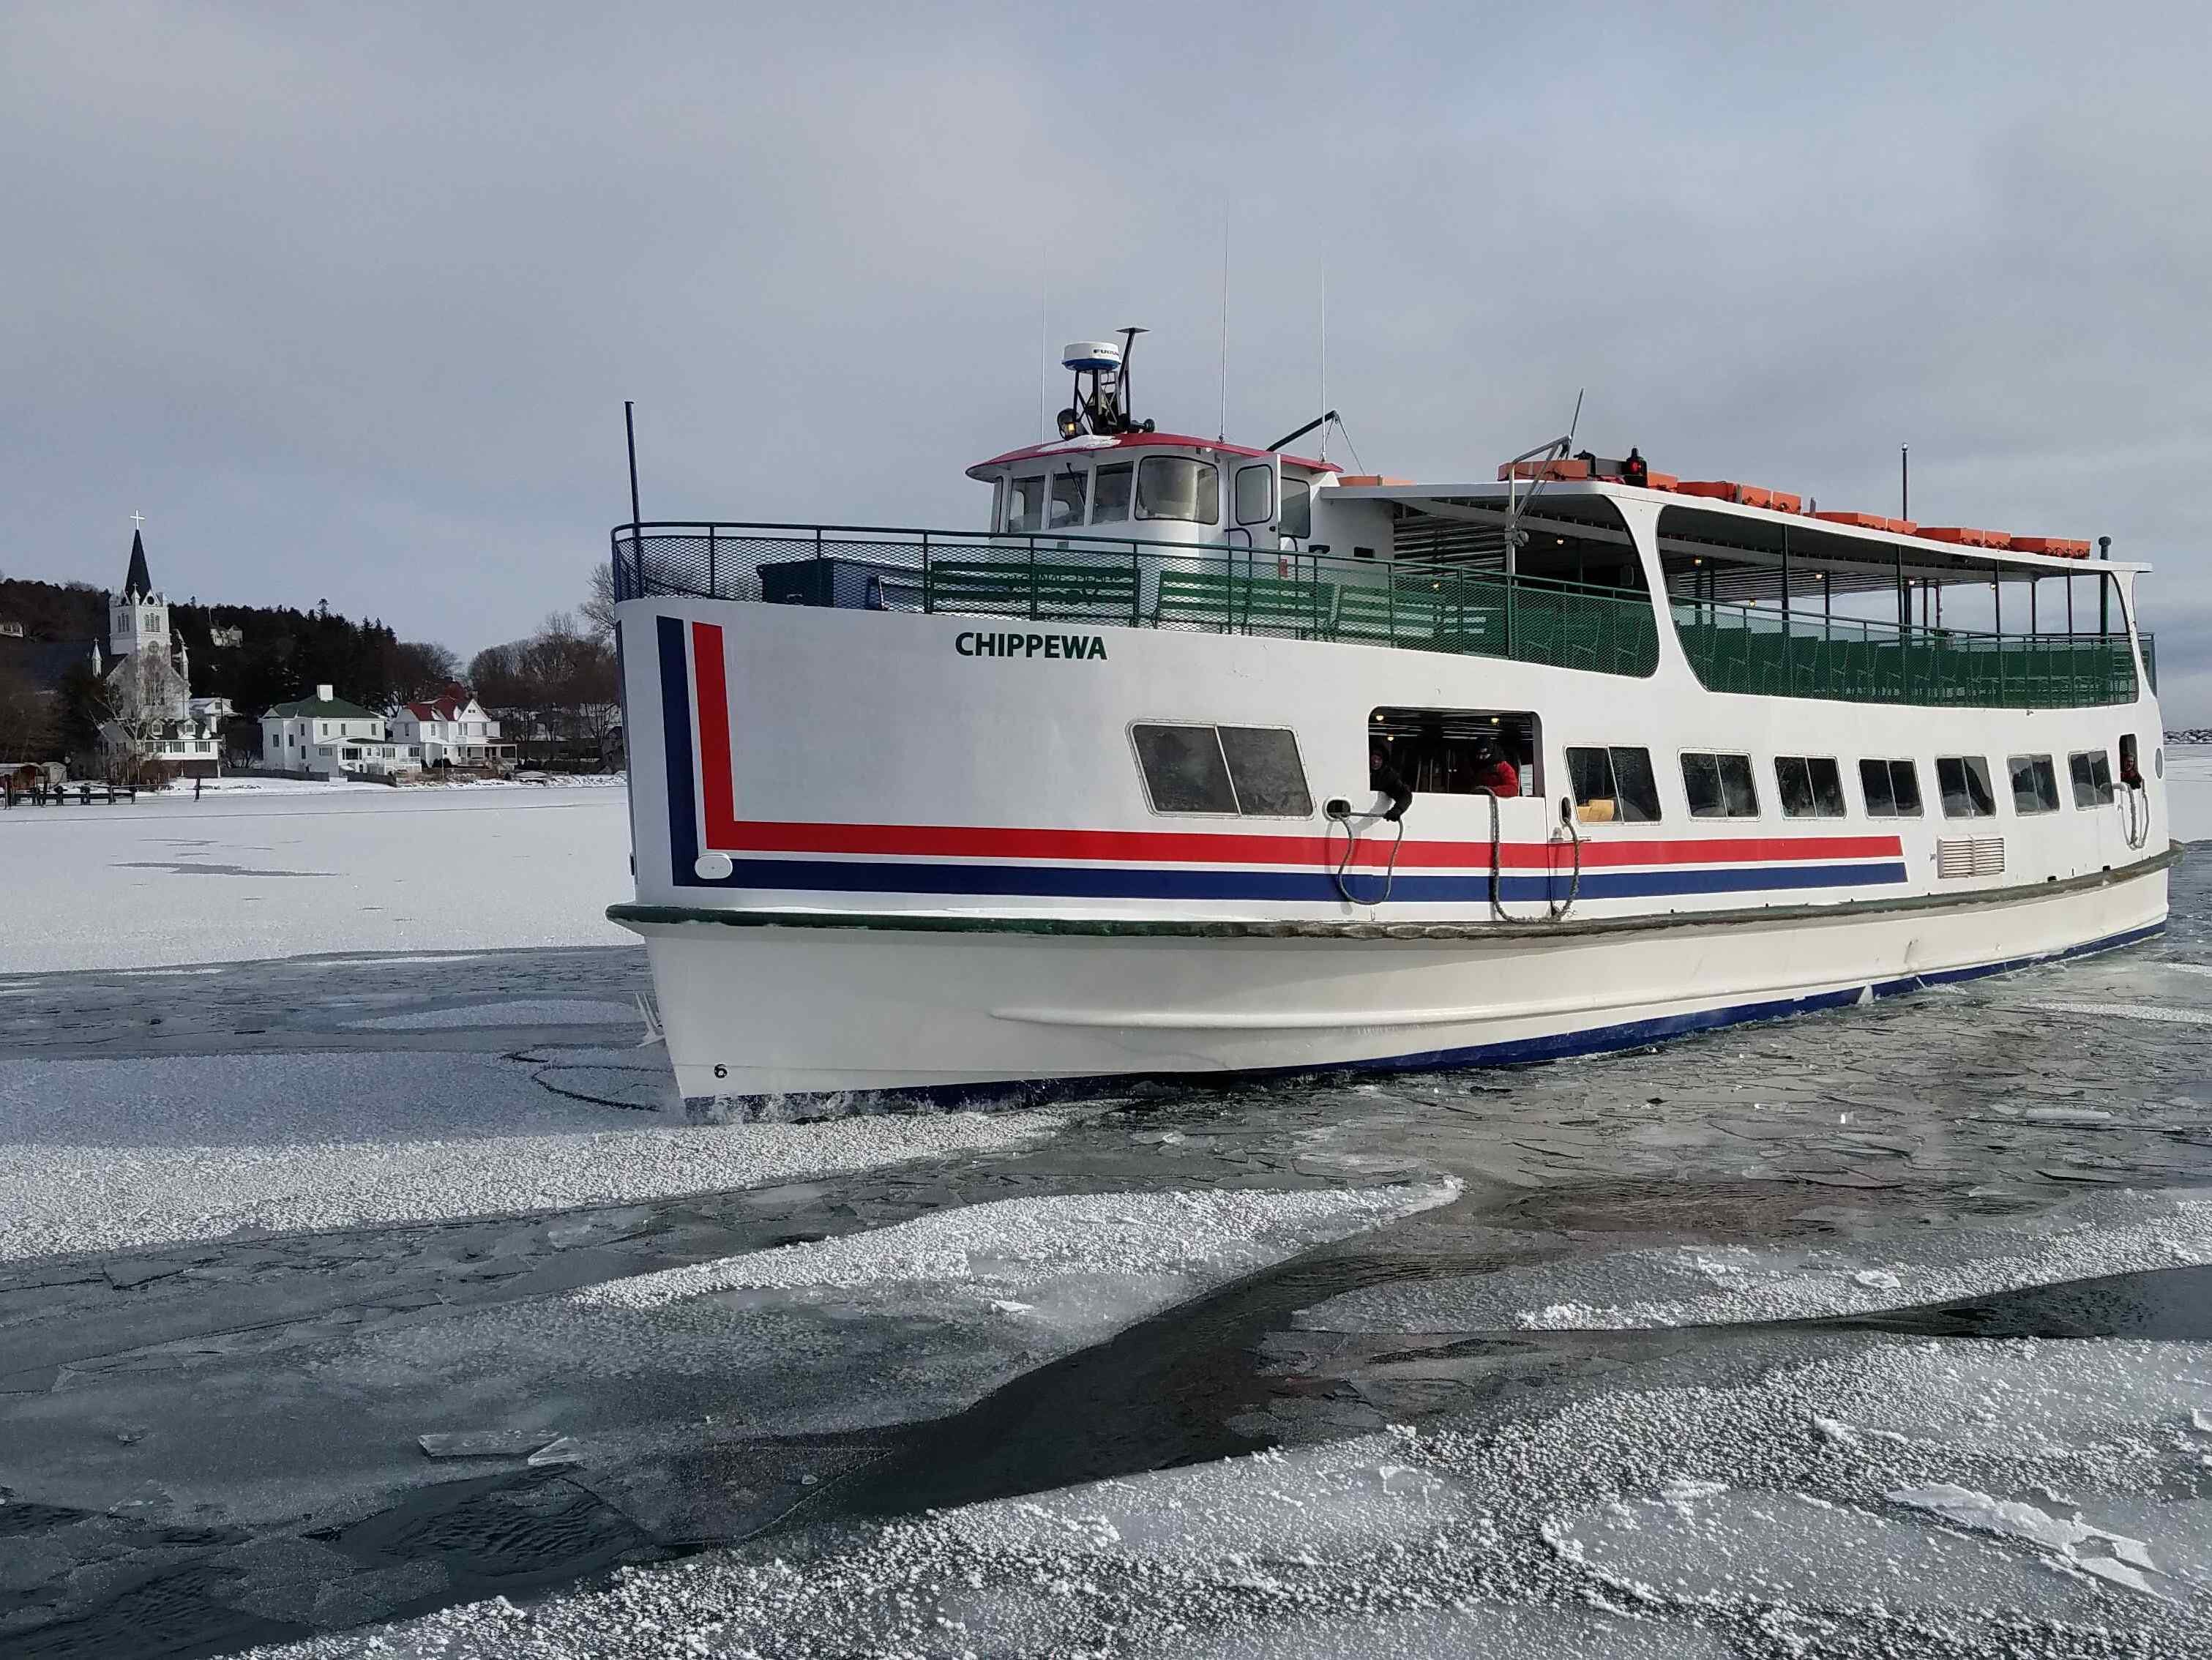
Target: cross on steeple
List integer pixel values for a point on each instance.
(137, 520)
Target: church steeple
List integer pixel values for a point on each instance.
(139, 618)
(138, 583)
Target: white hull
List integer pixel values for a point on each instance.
(758, 1011)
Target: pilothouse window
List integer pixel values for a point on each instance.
(1177, 487)
(1025, 504)
(1068, 493)
(1110, 501)
(1255, 495)
(1298, 509)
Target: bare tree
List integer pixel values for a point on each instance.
(422, 668)
(142, 694)
(599, 606)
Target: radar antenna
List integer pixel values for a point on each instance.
(1101, 400)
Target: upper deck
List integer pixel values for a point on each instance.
(1155, 530)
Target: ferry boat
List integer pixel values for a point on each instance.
(1198, 760)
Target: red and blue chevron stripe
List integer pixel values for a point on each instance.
(981, 862)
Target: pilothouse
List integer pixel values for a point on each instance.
(1199, 759)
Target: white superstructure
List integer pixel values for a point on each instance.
(1205, 759)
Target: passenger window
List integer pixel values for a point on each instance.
(1810, 787)
(1719, 786)
(1454, 751)
(1025, 504)
(1963, 782)
(1614, 786)
(1109, 498)
(1891, 789)
(1266, 772)
(1184, 770)
(1298, 509)
(1253, 771)
(1255, 495)
(2091, 771)
(1068, 493)
(1175, 486)
(2034, 783)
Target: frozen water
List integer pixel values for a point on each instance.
(98, 1155)
(542, 1011)
(326, 869)
(1016, 1244)
(1683, 1285)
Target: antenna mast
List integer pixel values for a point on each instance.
(1221, 432)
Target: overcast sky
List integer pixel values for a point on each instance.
(346, 298)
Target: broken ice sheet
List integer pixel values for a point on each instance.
(487, 1444)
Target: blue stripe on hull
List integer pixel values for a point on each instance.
(1092, 881)
(676, 747)
(1559, 1046)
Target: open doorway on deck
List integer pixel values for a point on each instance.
(1455, 752)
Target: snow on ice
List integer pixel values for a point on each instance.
(1686, 1520)
(1705, 1284)
(99, 1155)
(323, 868)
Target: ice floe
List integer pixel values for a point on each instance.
(1708, 1285)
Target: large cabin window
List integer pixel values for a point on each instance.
(2034, 783)
(1255, 771)
(1025, 504)
(1810, 787)
(1298, 508)
(2091, 770)
(1255, 495)
(1719, 786)
(1177, 487)
(1068, 490)
(1891, 789)
(1614, 786)
(1110, 500)
(1963, 782)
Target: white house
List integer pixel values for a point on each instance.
(326, 736)
(451, 730)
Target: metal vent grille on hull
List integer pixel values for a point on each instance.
(1981, 857)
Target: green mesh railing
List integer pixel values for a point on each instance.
(1138, 584)
(1743, 650)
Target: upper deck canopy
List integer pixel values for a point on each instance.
(1747, 530)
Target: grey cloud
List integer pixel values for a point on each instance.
(346, 299)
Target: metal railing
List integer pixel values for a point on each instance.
(1127, 582)
(1743, 648)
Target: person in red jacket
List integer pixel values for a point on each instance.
(1493, 772)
